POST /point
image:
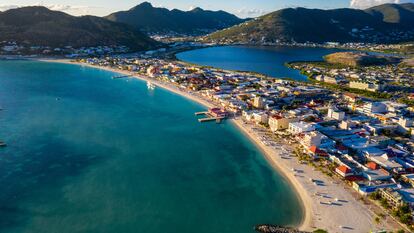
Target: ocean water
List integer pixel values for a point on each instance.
(87, 153)
(268, 60)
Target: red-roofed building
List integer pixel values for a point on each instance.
(316, 152)
(217, 112)
(344, 171)
(372, 166)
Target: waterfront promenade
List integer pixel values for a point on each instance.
(329, 205)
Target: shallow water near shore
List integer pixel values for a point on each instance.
(268, 60)
(87, 153)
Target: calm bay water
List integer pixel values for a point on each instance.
(262, 59)
(90, 154)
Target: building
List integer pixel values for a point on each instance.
(352, 98)
(259, 102)
(300, 127)
(366, 86)
(336, 114)
(261, 118)
(217, 112)
(374, 107)
(344, 171)
(374, 175)
(392, 196)
(313, 138)
(409, 178)
(279, 123)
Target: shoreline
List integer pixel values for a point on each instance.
(355, 218)
(306, 220)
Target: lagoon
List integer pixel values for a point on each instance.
(268, 60)
(87, 153)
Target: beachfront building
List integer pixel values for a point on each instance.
(260, 118)
(344, 171)
(313, 138)
(393, 197)
(277, 123)
(300, 127)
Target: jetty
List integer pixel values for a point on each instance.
(213, 114)
(267, 228)
(122, 76)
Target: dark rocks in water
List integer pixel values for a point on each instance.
(267, 228)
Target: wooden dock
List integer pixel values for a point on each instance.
(210, 116)
(201, 113)
(217, 119)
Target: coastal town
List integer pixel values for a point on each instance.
(364, 144)
(209, 117)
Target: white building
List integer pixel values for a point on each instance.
(374, 107)
(300, 127)
(336, 114)
(313, 138)
(261, 118)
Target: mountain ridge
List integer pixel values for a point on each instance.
(37, 25)
(374, 24)
(161, 20)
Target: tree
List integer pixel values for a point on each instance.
(406, 218)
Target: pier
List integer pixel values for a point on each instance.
(121, 76)
(217, 119)
(214, 114)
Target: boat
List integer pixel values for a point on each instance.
(2, 144)
(150, 86)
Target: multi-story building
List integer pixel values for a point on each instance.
(336, 114)
(300, 127)
(279, 123)
(374, 107)
(313, 138)
(393, 197)
(259, 102)
(366, 86)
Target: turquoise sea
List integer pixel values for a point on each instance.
(268, 60)
(87, 153)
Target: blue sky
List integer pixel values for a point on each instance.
(242, 8)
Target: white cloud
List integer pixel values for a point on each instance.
(362, 4)
(7, 7)
(73, 10)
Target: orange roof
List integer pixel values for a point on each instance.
(313, 149)
(344, 169)
(372, 166)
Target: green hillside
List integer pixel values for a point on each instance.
(385, 23)
(43, 27)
